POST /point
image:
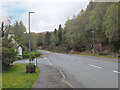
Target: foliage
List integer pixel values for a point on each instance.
(8, 53)
(33, 55)
(59, 35)
(25, 55)
(30, 64)
(33, 41)
(47, 38)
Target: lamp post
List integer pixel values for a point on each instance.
(29, 35)
(93, 41)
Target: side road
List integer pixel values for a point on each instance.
(50, 77)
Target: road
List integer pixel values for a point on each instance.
(84, 71)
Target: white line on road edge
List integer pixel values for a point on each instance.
(116, 71)
(65, 78)
(69, 84)
(95, 66)
(61, 73)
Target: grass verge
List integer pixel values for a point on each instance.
(0, 81)
(18, 78)
(95, 55)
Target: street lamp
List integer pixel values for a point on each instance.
(93, 43)
(29, 35)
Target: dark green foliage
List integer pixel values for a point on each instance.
(34, 54)
(40, 39)
(8, 54)
(37, 54)
(33, 41)
(47, 39)
(59, 35)
(25, 55)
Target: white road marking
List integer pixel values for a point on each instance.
(49, 62)
(95, 66)
(61, 72)
(69, 84)
(65, 78)
(116, 71)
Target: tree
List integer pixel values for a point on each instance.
(110, 25)
(33, 41)
(8, 51)
(40, 39)
(47, 38)
(59, 35)
(55, 31)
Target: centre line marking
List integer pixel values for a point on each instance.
(95, 66)
(116, 71)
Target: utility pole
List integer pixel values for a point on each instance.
(29, 35)
(93, 43)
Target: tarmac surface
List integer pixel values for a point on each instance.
(76, 71)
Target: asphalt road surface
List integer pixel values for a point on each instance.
(83, 71)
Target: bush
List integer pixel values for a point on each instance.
(37, 54)
(31, 64)
(8, 57)
(32, 56)
(25, 55)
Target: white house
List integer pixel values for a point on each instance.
(17, 47)
(19, 50)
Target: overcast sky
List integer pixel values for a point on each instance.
(48, 13)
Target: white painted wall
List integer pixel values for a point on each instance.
(19, 50)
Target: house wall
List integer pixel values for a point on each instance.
(19, 50)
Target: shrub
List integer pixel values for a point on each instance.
(25, 55)
(31, 64)
(32, 56)
(37, 54)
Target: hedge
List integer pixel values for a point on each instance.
(33, 55)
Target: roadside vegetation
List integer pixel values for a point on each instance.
(26, 56)
(95, 27)
(0, 80)
(9, 46)
(18, 78)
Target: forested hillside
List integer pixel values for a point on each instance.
(94, 27)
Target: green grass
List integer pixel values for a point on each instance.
(0, 80)
(95, 55)
(18, 78)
